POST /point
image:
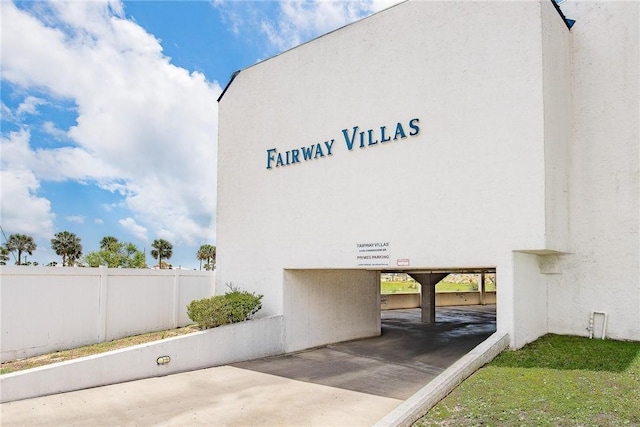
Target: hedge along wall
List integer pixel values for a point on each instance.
(44, 309)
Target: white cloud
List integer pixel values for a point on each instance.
(21, 210)
(78, 219)
(15, 150)
(241, 17)
(146, 129)
(98, 221)
(57, 164)
(7, 113)
(110, 207)
(29, 105)
(300, 21)
(50, 128)
(135, 229)
(288, 23)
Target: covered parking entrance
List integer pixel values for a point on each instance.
(428, 280)
(324, 307)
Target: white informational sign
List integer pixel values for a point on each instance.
(371, 254)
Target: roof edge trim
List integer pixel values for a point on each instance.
(233, 76)
(568, 22)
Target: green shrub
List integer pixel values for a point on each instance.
(244, 305)
(209, 312)
(232, 307)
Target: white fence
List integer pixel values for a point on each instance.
(45, 309)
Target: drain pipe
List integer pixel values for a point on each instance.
(604, 323)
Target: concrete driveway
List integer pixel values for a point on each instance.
(348, 384)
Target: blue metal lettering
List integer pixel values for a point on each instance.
(366, 138)
(307, 153)
(414, 126)
(347, 140)
(399, 131)
(294, 155)
(371, 141)
(270, 157)
(382, 140)
(329, 146)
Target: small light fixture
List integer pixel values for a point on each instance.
(163, 360)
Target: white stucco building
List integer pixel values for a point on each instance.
(436, 136)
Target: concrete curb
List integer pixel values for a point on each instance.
(422, 401)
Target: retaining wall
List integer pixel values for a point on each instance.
(213, 347)
(443, 299)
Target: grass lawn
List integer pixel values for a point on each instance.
(400, 287)
(411, 287)
(59, 356)
(554, 381)
(462, 287)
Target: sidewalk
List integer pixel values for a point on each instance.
(221, 396)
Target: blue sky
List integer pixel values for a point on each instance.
(109, 113)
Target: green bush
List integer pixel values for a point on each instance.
(232, 307)
(209, 312)
(244, 305)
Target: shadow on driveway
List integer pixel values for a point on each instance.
(406, 356)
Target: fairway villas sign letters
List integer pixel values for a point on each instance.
(354, 137)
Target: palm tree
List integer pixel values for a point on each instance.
(68, 246)
(161, 250)
(207, 253)
(21, 243)
(4, 255)
(108, 243)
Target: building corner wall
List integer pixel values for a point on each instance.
(326, 306)
(530, 300)
(602, 269)
(557, 97)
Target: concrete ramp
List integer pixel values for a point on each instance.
(407, 355)
(421, 402)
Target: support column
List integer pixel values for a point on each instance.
(428, 283)
(428, 301)
(481, 288)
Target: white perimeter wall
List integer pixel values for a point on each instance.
(476, 184)
(46, 309)
(602, 270)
